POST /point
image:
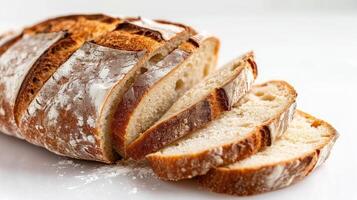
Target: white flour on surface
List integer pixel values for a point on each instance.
(136, 175)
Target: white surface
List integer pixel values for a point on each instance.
(315, 50)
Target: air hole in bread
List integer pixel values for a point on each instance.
(156, 58)
(316, 123)
(268, 97)
(259, 94)
(143, 70)
(179, 84)
(235, 66)
(35, 80)
(186, 73)
(246, 125)
(206, 70)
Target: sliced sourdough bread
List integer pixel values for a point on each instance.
(303, 147)
(155, 90)
(198, 106)
(71, 113)
(253, 123)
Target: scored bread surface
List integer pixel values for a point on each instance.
(225, 87)
(305, 146)
(71, 101)
(252, 124)
(14, 65)
(141, 106)
(35, 49)
(78, 29)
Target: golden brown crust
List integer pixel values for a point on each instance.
(30, 47)
(36, 65)
(249, 182)
(71, 23)
(199, 163)
(79, 28)
(198, 115)
(271, 177)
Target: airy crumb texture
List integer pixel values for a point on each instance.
(205, 87)
(304, 146)
(252, 124)
(169, 88)
(301, 138)
(197, 107)
(261, 104)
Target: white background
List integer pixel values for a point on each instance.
(312, 44)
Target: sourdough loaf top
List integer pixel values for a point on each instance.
(43, 48)
(21, 56)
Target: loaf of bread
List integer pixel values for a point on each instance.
(68, 76)
(302, 148)
(101, 88)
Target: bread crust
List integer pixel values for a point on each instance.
(7, 40)
(78, 29)
(199, 114)
(62, 23)
(19, 74)
(64, 117)
(199, 163)
(30, 48)
(271, 177)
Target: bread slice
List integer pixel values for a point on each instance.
(72, 112)
(157, 89)
(303, 147)
(198, 106)
(253, 123)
